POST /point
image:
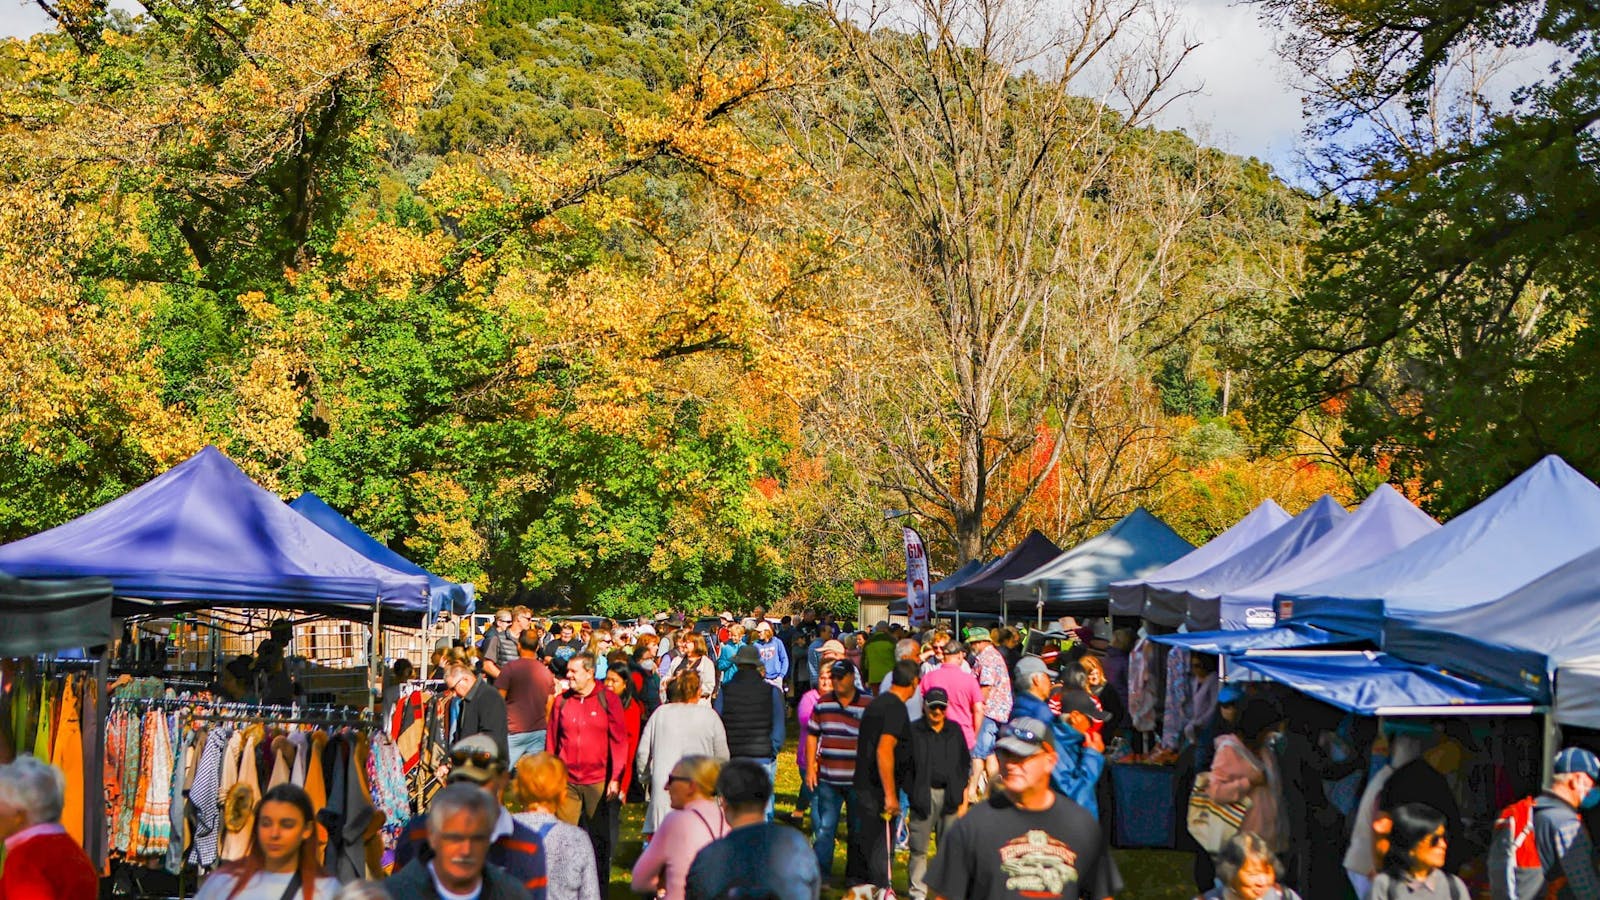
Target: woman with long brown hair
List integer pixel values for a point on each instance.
(284, 853)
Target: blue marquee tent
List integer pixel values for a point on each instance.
(1385, 522)
(899, 608)
(444, 595)
(1544, 518)
(1541, 639)
(1128, 597)
(981, 591)
(203, 534)
(1075, 583)
(1196, 601)
(1241, 641)
(1375, 684)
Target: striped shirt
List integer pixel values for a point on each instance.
(837, 727)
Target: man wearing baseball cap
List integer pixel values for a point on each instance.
(941, 769)
(478, 760)
(1566, 851)
(1025, 840)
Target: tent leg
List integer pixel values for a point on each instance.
(374, 660)
(1040, 625)
(1552, 743)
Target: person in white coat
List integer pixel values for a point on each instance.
(682, 727)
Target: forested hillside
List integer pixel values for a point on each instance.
(621, 304)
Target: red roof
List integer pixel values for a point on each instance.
(883, 590)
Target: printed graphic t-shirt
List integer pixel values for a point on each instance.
(999, 852)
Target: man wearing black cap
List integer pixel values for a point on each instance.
(752, 713)
(1025, 842)
(883, 760)
(832, 740)
(940, 772)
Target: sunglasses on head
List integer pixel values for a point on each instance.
(1026, 734)
(483, 759)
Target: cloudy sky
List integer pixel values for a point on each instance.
(1245, 104)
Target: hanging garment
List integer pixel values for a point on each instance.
(24, 708)
(68, 757)
(316, 787)
(302, 748)
(1142, 701)
(94, 764)
(154, 828)
(41, 740)
(8, 737)
(204, 799)
(364, 821)
(390, 793)
(177, 809)
(239, 808)
(128, 786)
(1179, 700)
(282, 761)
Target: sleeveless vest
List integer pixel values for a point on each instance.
(747, 715)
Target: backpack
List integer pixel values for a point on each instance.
(1515, 870)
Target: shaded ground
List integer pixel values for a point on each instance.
(1150, 874)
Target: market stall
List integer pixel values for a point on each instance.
(1195, 601)
(1384, 522)
(1128, 598)
(1075, 583)
(983, 590)
(1544, 518)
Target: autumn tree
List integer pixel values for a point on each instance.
(1032, 243)
(1449, 313)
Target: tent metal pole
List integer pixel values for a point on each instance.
(374, 657)
(1552, 743)
(1040, 625)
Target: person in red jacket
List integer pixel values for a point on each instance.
(589, 734)
(42, 862)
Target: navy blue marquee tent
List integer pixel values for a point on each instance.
(1128, 597)
(203, 534)
(899, 607)
(443, 595)
(1542, 519)
(1385, 522)
(981, 591)
(1196, 601)
(1076, 582)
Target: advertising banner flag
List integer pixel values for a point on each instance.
(919, 609)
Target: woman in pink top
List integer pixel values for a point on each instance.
(695, 821)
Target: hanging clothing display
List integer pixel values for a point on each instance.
(1179, 698)
(1142, 701)
(188, 773)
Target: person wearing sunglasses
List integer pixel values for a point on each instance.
(1414, 866)
(1025, 840)
(482, 709)
(479, 762)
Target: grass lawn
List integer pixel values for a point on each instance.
(1149, 874)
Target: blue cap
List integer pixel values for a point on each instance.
(1577, 759)
(1230, 693)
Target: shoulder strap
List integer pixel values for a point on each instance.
(293, 888)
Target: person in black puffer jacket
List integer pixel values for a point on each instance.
(752, 713)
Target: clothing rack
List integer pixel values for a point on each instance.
(205, 709)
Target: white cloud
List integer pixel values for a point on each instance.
(18, 19)
(1246, 103)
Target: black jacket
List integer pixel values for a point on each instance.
(751, 715)
(415, 883)
(944, 752)
(483, 711)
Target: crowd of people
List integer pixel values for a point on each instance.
(984, 764)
